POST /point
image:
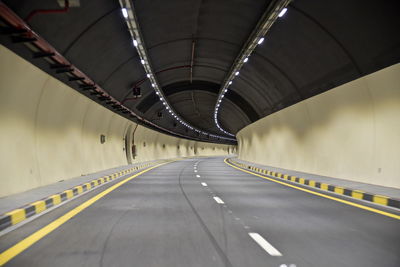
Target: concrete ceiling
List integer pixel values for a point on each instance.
(316, 46)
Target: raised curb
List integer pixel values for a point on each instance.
(357, 194)
(18, 215)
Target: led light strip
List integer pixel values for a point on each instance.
(278, 9)
(128, 13)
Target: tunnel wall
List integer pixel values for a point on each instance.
(350, 132)
(49, 132)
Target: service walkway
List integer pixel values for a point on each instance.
(203, 212)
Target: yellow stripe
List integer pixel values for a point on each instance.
(293, 178)
(56, 199)
(13, 251)
(357, 194)
(339, 190)
(311, 183)
(380, 199)
(301, 180)
(88, 186)
(388, 214)
(279, 175)
(16, 216)
(39, 206)
(324, 186)
(80, 189)
(285, 176)
(95, 182)
(69, 193)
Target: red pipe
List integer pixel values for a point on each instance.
(47, 11)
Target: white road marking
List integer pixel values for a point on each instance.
(198, 176)
(203, 184)
(218, 200)
(265, 245)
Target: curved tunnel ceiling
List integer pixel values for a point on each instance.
(316, 46)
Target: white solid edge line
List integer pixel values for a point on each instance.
(203, 184)
(265, 245)
(218, 200)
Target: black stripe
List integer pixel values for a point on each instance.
(29, 211)
(49, 202)
(307, 182)
(75, 191)
(63, 196)
(347, 192)
(394, 203)
(5, 222)
(368, 196)
(297, 179)
(93, 184)
(318, 184)
(331, 188)
(84, 187)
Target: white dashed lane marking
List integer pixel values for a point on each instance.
(198, 176)
(203, 184)
(218, 200)
(265, 245)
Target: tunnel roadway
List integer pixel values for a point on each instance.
(203, 212)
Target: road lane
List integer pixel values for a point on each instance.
(309, 230)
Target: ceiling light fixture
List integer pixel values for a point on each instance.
(282, 12)
(124, 12)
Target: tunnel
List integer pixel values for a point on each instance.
(200, 133)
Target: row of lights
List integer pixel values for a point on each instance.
(279, 11)
(127, 12)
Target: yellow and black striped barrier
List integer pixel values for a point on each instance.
(18, 215)
(358, 194)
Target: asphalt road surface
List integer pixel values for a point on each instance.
(202, 212)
